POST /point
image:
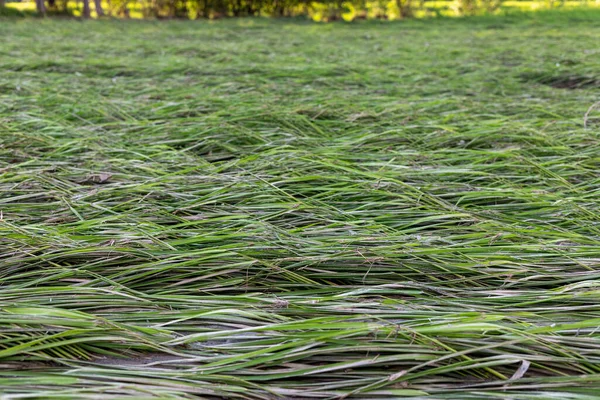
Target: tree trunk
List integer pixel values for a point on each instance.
(86, 9)
(206, 11)
(405, 8)
(41, 7)
(99, 9)
(2, 3)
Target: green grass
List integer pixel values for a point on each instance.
(265, 209)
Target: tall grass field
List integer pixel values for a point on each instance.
(279, 209)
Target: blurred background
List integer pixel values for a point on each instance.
(316, 10)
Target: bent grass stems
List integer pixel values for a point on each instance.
(308, 211)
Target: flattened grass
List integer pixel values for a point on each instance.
(261, 209)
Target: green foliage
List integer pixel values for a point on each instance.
(262, 209)
(477, 7)
(214, 9)
(11, 12)
(315, 10)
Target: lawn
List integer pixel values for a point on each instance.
(263, 209)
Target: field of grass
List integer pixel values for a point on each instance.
(262, 209)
